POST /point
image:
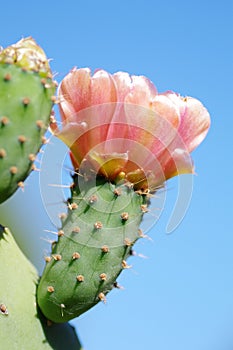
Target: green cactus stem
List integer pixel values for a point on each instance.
(94, 242)
(22, 327)
(26, 100)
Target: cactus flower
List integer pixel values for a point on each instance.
(119, 126)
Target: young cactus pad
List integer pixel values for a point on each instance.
(93, 244)
(26, 100)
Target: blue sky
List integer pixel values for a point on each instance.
(181, 296)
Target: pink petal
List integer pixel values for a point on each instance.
(195, 123)
(74, 92)
(123, 83)
(151, 127)
(155, 117)
(195, 120)
(103, 89)
(179, 162)
(142, 92)
(79, 91)
(166, 109)
(86, 100)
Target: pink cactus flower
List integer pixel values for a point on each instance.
(119, 126)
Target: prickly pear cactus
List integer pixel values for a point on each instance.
(94, 242)
(26, 100)
(22, 327)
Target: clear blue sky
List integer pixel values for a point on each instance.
(181, 297)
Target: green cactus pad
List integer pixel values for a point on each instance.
(93, 244)
(22, 327)
(25, 107)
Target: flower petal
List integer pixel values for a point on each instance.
(168, 110)
(142, 91)
(103, 89)
(74, 93)
(79, 91)
(195, 123)
(179, 163)
(195, 120)
(123, 83)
